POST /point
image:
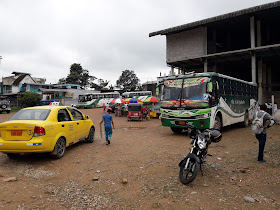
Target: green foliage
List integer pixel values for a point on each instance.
(30, 99)
(128, 81)
(100, 85)
(62, 81)
(15, 109)
(79, 76)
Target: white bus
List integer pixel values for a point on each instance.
(92, 100)
(206, 100)
(136, 93)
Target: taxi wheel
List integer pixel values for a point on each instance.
(90, 138)
(59, 149)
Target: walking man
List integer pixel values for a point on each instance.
(267, 122)
(108, 121)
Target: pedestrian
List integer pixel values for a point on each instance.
(108, 123)
(104, 107)
(266, 122)
(275, 108)
(144, 112)
(269, 107)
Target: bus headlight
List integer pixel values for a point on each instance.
(206, 115)
(164, 116)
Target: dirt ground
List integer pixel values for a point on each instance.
(139, 170)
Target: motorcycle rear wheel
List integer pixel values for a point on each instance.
(189, 173)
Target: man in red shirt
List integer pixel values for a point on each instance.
(144, 112)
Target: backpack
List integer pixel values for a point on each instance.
(257, 124)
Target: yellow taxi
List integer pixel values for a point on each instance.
(45, 129)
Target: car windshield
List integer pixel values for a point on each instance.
(134, 108)
(31, 114)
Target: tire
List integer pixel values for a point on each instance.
(218, 123)
(187, 175)
(90, 137)
(4, 106)
(176, 130)
(246, 120)
(59, 149)
(8, 112)
(13, 155)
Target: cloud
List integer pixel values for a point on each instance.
(106, 37)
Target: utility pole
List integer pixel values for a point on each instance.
(0, 58)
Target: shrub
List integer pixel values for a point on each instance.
(30, 99)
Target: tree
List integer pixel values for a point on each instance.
(128, 81)
(30, 99)
(75, 72)
(79, 76)
(62, 81)
(100, 85)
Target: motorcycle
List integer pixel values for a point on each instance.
(191, 164)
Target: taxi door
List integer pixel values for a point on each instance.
(67, 126)
(81, 125)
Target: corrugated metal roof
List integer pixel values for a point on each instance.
(188, 26)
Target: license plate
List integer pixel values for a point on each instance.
(16, 132)
(182, 122)
(135, 114)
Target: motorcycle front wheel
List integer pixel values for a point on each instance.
(188, 170)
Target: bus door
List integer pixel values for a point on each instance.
(213, 90)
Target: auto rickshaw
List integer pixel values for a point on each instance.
(134, 112)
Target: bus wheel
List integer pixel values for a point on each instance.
(218, 123)
(177, 130)
(246, 120)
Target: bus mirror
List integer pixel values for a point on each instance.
(210, 87)
(157, 91)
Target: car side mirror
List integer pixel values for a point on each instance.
(87, 117)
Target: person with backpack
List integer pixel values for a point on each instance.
(262, 121)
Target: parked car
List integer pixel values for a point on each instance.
(45, 129)
(5, 105)
(49, 102)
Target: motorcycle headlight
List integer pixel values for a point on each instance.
(201, 143)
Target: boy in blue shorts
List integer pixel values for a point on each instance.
(108, 120)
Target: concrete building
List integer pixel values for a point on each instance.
(244, 44)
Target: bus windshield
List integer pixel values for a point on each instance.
(191, 91)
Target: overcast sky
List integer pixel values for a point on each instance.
(105, 36)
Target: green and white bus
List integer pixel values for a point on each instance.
(206, 100)
(92, 100)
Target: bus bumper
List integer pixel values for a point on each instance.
(182, 123)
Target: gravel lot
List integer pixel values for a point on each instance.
(139, 170)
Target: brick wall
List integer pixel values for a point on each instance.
(186, 45)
